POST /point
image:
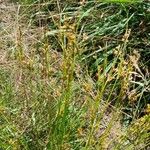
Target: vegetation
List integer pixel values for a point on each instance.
(75, 75)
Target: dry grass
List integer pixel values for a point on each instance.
(70, 81)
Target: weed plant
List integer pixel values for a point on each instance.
(77, 76)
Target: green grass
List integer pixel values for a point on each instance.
(77, 77)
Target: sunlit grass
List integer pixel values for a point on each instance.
(77, 77)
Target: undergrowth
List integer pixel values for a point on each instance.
(77, 76)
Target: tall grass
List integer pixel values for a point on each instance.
(81, 82)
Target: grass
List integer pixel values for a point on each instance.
(75, 76)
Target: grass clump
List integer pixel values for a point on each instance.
(77, 76)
